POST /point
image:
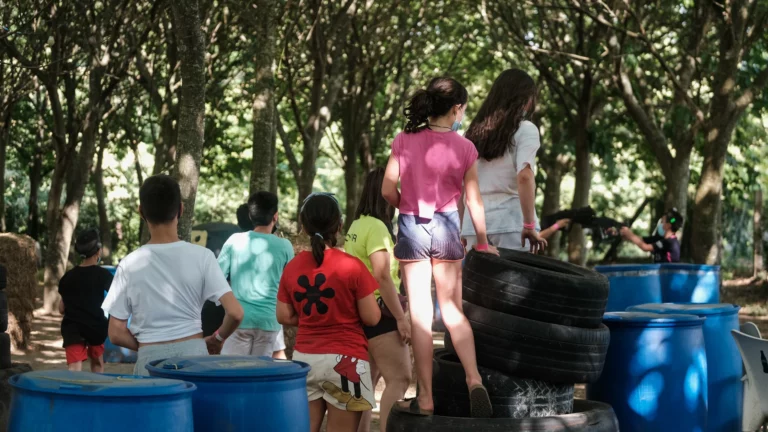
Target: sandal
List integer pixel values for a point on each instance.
(480, 402)
(411, 406)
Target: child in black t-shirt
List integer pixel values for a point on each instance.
(84, 327)
(663, 243)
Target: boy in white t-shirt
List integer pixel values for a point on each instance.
(164, 284)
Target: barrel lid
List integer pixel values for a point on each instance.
(689, 267)
(650, 319)
(629, 269)
(701, 309)
(228, 367)
(98, 385)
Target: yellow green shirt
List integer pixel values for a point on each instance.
(366, 236)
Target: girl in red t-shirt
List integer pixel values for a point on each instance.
(328, 294)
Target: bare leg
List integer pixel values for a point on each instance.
(97, 364)
(365, 421)
(316, 414)
(418, 276)
(394, 365)
(448, 284)
(342, 421)
(75, 367)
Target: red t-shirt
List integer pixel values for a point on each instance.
(325, 298)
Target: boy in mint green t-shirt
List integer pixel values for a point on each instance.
(254, 262)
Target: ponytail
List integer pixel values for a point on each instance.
(417, 111)
(320, 216)
(441, 95)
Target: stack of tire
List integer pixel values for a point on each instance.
(538, 330)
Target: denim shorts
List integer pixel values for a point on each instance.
(420, 239)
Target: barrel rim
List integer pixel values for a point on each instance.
(177, 389)
(228, 375)
(696, 308)
(651, 319)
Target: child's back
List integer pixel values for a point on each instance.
(164, 287)
(325, 299)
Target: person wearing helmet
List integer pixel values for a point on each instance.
(84, 326)
(663, 244)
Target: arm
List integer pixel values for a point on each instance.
(120, 335)
(389, 185)
(636, 239)
(476, 207)
(286, 314)
(369, 311)
(526, 188)
(462, 207)
(233, 315)
(557, 226)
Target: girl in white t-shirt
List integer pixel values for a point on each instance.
(507, 144)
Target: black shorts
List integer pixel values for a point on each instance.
(385, 325)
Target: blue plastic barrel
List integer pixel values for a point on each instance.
(690, 283)
(65, 401)
(655, 374)
(242, 393)
(631, 285)
(723, 358)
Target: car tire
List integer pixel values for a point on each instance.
(536, 350)
(536, 287)
(587, 416)
(510, 396)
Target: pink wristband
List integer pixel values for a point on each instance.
(530, 226)
(481, 247)
(556, 226)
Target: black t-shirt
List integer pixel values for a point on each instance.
(82, 290)
(665, 250)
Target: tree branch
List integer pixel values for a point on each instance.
(292, 162)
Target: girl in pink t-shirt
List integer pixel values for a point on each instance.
(434, 165)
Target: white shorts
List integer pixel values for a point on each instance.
(279, 341)
(255, 342)
(342, 381)
(511, 240)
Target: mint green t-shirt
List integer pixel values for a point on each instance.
(254, 263)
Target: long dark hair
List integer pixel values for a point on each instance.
(373, 204)
(493, 128)
(440, 96)
(320, 217)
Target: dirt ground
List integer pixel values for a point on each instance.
(46, 352)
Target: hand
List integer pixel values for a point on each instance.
(213, 344)
(562, 223)
(537, 243)
(491, 250)
(625, 232)
(464, 242)
(404, 328)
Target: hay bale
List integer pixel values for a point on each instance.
(17, 254)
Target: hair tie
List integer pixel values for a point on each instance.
(319, 235)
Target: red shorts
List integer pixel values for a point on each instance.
(80, 352)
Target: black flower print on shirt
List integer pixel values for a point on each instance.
(313, 294)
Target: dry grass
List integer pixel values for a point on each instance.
(17, 254)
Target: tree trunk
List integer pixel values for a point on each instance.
(35, 178)
(5, 129)
(265, 48)
(104, 228)
(350, 180)
(551, 205)
(757, 235)
(191, 127)
(577, 241)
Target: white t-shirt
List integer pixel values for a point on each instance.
(163, 287)
(498, 184)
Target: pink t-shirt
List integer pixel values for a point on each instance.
(432, 168)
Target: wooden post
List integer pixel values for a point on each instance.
(757, 230)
